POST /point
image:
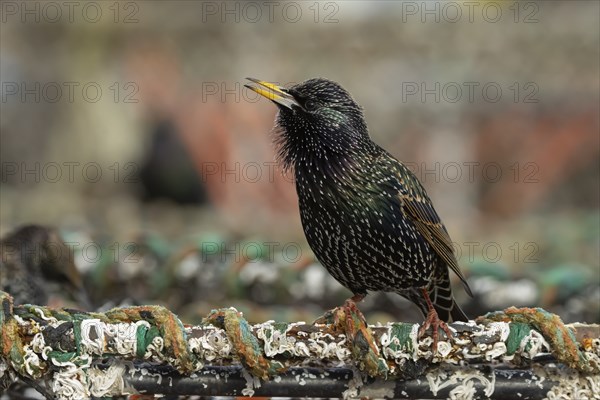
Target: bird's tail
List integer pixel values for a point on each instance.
(457, 313)
(440, 294)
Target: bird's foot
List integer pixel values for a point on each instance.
(349, 308)
(435, 323)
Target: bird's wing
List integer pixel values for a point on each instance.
(417, 204)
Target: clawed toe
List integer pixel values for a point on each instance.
(435, 324)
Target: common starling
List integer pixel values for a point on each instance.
(35, 263)
(365, 215)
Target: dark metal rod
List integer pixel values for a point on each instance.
(314, 382)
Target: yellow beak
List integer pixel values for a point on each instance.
(272, 92)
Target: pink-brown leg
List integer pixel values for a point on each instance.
(434, 322)
(357, 298)
(348, 307)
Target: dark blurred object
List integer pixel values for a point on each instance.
(168, 171)
(223, 136)
(37, 266)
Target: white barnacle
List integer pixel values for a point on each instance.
(414, 337)
(251, 383)
(501, 329)
(467, 354)
(436, 381)
(444, 348)
(43, 316)
(573, 385)
(461, 342)
(70, 381)
(108, 382)
(195, 344)
(125, 336)
(155, 347)
(465, 391)
(498, 349)
(386, 337)
(426, 344)
(93, 345)
(21, 321)
(31, 360)
(301, 349)
(38, 344)
(594, 383)
(462, 379)
(342, 353)
(536, 342)
(214, 343)
(275, 342)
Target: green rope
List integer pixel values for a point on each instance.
(518, 331)
(11, 344)
(248, 349)
(561, 339)
(164, 324)
(346, 320)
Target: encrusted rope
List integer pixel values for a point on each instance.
(249, 350)
(349, 321)
(562, 340)
(64, 346)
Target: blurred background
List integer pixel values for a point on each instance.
(126, 128)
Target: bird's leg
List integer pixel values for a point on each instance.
(357, 298)
(333, 316)
(351, 315)
(350, 307)
(433, 321)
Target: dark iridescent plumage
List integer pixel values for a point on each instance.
(365, 214)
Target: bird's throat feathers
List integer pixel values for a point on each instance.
(329, 148)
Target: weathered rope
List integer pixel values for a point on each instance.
(562, 340)
(66, 347)
(247, 347)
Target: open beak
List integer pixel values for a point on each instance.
(275, 93)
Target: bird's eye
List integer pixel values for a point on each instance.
(310, 105)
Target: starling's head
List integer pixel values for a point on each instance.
(318, 119)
